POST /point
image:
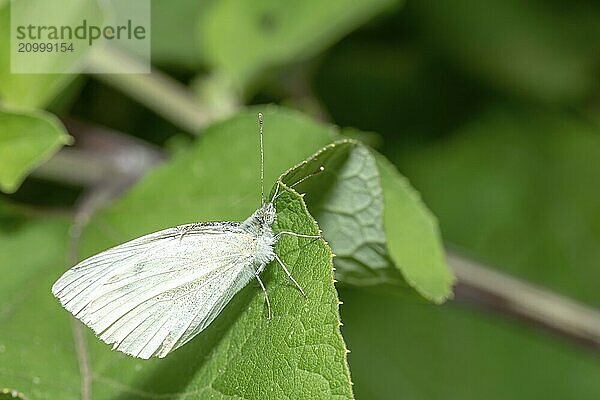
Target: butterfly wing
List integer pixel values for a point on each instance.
(151, 295)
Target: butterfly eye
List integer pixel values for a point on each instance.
(270, 214)
(270, 218)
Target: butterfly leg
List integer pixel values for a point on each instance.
(264, 289)
(290, 275)
(276, 191)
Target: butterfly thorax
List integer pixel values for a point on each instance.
(259, 226)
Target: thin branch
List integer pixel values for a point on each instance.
(83, 359)
(107, 163)
(100, 156)
(156, 90)
(481, 285)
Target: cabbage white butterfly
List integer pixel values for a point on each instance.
(151, 295)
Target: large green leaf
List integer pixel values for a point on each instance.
(298, 353)
(243, 38)
(302, 341)
(26, 140)
(301, 345)
(379, 229)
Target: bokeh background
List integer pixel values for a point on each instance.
(491, 109)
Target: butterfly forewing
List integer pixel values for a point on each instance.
(151, 295)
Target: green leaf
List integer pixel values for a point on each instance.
(301, 343)
(413, 236)
(174, 32)
(242, 39)
(27, 139)
(23, 90)
(376, 224)
(517, 189)
(38, 90)
(347, 200)
(33, 333)
(298, 353)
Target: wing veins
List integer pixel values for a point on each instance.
(138, 281)
(131, 317)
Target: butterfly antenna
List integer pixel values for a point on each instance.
(318, 171)
(262, 160)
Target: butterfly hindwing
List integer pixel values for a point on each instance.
(151, 295)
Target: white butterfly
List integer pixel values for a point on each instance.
(153, 294)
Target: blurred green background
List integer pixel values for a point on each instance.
(490, 108)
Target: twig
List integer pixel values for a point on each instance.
(80, 219)
(480, 285)
(156, 90)
(100, 156)
(107, 163)
(83, 359)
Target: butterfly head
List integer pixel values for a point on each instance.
(267, 214)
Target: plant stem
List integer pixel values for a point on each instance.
(481, 285)
(156, 90)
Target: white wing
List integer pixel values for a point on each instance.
(151, 295)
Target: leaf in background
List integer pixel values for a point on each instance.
(375, 223)
(27, 139)
(553, 59)
(413, 236)
(518, 189)
(347, 201)
(38, 90)
(23, 90)
(242, 39)
(174, 32)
